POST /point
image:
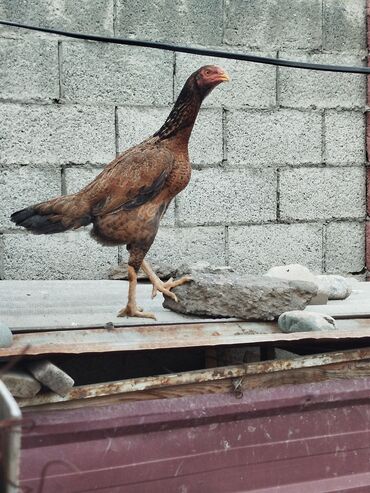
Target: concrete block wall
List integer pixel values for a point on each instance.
(278, 154)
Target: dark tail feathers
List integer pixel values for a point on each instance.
(54, 216)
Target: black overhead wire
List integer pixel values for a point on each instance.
(196, 51)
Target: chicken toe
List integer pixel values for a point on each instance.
(135, 311)
(163, 287)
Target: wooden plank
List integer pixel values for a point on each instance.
(176, 391)
(197, 376)
(344, 371)
(173, 336)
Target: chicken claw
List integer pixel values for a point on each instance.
(135, 311)
(165, 287)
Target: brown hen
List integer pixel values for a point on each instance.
(127, 200)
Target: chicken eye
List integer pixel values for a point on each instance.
(208, 72)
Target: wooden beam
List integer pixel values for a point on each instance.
(198, 376)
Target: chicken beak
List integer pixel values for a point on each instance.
(224, 77)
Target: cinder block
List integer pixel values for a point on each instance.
(344, 25)
(188, 21)
(29, 69)
(345, 247)
(21, 186)
(322, 193)
(255, 249)
(252, 84)
(205, 147)
(277, 137)
(215, 196)
(273, 23)
(95, 73)
(344, 137)
(21, 384)
(314, 89)
(51, 376)
(71, 255)
(78, 177)
(175, 246)
(56, 134)
(89, 17)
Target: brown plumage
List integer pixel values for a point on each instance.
(127, 199)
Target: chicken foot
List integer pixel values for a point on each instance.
(131, 309)
(163, 287)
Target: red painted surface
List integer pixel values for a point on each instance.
(300, 438)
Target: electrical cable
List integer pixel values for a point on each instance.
(196, 51)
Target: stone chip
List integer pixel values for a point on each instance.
(21, 384)
(51, 376)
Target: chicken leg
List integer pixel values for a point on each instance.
(163, 287)
(131, 309)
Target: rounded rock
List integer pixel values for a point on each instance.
(336, 287)
(300, 321)
(6, 336)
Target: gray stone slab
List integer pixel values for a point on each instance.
(272, 23)
(188, 21)
(96, 73)
(246, 297)
(317, 193)
(56, 134)
(216, 197)
(276, 137)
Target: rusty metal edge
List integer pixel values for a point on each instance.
(197, 376)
